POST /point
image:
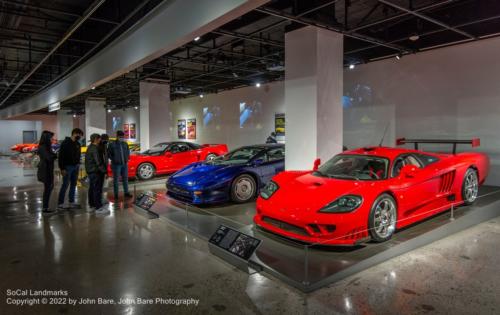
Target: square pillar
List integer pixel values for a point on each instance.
(155, 116)
(313, 96)
(95, 116)
(64, 124)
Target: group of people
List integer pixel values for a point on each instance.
(99, 153)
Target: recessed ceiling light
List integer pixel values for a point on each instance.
(93, 88)
(197, 38)
(352, 66)
(257, 84)
(109, 110)
(414, 37)
(201, 95)
(136, 107)
(74, 115)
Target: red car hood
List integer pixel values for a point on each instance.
(308, 193)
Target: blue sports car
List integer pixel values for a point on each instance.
(236, 176)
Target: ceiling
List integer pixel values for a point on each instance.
(243, 52)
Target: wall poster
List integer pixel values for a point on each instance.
(126, 130)
(191, 128)
(132, 132)
(279, 124)
(181, 129)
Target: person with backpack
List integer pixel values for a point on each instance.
(45, 172)
(118, 153)
(96, 170)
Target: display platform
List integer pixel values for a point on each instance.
(311, 267)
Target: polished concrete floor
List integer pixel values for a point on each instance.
(125, 255)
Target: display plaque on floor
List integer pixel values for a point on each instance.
(144, 202)
(233, 246)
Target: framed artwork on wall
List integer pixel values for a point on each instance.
(181, 129)
(132, 132)
(126, 130)
(191, 128)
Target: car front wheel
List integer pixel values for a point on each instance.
(383, 218)
(210, 157)
(146, 171)
(243, 188)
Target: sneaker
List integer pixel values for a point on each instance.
(62, 207)
(102, 210)
(128, 195)
(47, 212)
(73, 205)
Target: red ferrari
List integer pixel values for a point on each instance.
(168, 157)
(369, 193)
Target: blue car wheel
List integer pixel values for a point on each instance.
(243, 188)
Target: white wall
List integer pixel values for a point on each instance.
(225, 124)
(451, 92)
(11, 132)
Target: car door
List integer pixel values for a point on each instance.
(416, 194)
(182, 155)
(273, 163)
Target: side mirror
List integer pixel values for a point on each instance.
(409, 171)
(316, 165)
(258, 162)
(168, 154)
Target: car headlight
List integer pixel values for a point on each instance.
(343, 204)
(269, 190)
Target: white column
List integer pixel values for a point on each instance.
(64, 124)
(313, 96)
(155, 116)
(95, 116)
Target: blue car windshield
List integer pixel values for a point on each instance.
(238, 156)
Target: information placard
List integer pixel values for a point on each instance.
(235, 242)
(145, 201)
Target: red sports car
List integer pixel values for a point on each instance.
(368, 193)
(168, 157)
(24, 147)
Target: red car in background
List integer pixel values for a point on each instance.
(24, 147)
(169, 157)
(369, 193)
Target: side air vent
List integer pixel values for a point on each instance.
(446, 182)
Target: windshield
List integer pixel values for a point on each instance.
(157, 149)
(238, 156)
(358, 167)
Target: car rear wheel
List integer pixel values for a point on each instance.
(243, 188)
(383, 218)
(470, 187)
(146, 171)
(210, 157)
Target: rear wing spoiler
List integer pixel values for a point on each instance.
(476, 142)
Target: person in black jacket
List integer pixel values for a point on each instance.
(45, 172)
(103, 150)
(272, 138)
(118, 153)
(69, 164)
(96, 169)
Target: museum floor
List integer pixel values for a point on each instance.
(126, 255)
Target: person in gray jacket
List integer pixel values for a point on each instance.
(96, 169)
(118, 153)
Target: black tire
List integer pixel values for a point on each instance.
(376, 226)
(210, 156)
(146, 171)
(243, 188)
(470, 190)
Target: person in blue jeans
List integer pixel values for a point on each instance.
(118, 154)
(69, 164)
